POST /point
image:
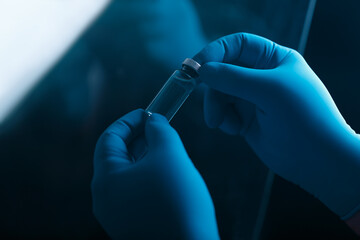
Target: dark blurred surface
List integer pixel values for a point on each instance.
(47, 149)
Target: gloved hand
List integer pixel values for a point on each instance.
(268, 94)
(145, 185)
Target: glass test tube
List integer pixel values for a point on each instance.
(176, 90)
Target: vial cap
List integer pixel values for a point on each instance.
(194, 65)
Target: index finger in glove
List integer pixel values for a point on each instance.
(243, 49)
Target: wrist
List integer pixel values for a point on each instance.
(353, 159)
(341, 191)
(202, 228)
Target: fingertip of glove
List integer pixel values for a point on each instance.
(155, 117)
(135, 112)
(156, 120)
(208, 67)
(213, 118)
(208, 71)
(213, 122)
(139, 110)
(158, 131)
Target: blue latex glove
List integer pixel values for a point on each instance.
(145, 185)
(268, 94)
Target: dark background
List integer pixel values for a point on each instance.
(47, 148)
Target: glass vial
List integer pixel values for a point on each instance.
(176, 90)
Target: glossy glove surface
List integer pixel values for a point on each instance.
(268, 94)
(145, 186)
